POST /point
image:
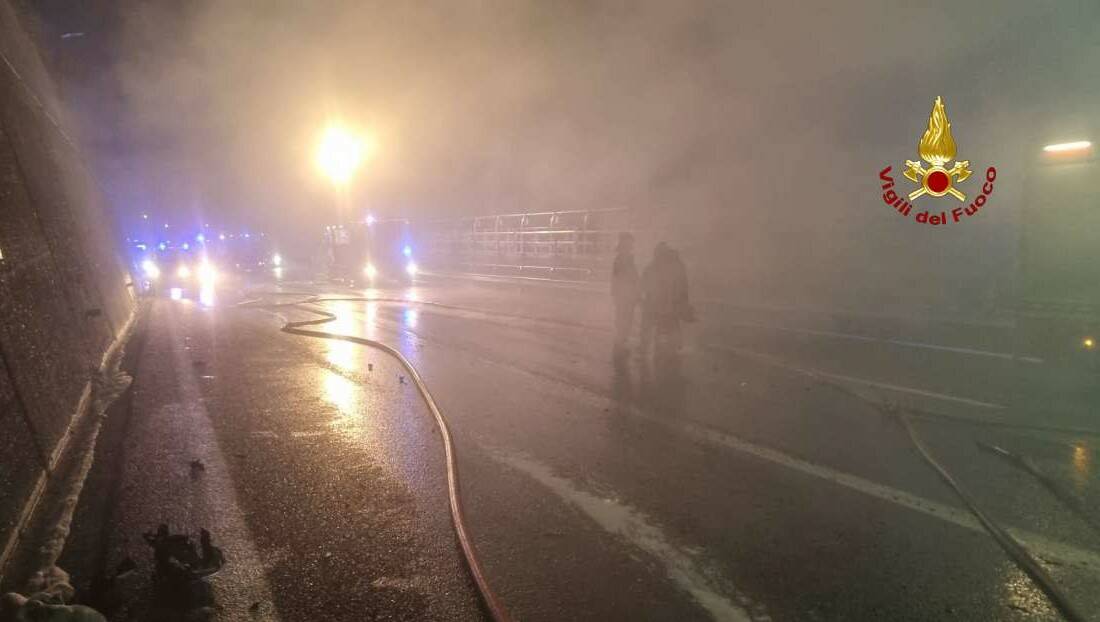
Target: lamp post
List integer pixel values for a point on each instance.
(340, 153)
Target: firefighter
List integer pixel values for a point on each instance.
(665, 301)
(624, 290)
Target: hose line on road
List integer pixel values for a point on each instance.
(1012, 547)
(1064, 496)
(489, 598)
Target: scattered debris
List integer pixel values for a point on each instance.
(50, 593)
(19, 608)
(124, 566)
(178, 562)
(401, 379)
(255, 607)
(370, 366)
(197, 469)
(198, 363)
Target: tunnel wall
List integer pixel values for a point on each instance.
(64, 291)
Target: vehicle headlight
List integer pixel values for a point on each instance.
(150, 269)
(411, 268)
(370, 271)
(183, 272)
(277, 260)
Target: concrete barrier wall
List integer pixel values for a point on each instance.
(64, 292)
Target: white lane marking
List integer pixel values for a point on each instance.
(1046, 549)
(308, 434)
(639, 530)
(871, 383)
(264, 434)
(896, 342)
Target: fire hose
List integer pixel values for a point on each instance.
(489, 598)
(1019, 554)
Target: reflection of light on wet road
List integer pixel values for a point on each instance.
(1082, 463)
(342, 353)
(339, 392)
(354, 419)
(206, 296)
(413, 294)
(372, 320)
(411, 316)
(278, 274)
(1021, 593)
(175, 293)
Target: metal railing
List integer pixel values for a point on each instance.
(576, 244)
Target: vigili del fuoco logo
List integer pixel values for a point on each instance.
(937, 148)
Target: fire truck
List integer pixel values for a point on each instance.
(373, 252)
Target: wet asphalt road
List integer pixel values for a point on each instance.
(712, 485)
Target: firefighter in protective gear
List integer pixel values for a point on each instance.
(624, 290)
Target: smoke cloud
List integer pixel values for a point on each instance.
(755, 130)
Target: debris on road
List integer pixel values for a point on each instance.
(197, 467)
(177, 559)
(125, 566)
(50, 594)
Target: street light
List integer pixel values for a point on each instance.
(340, 153)
(1079, 145)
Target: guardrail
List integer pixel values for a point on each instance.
(574, 245)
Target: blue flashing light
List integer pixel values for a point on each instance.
(186, 246)
(162, 246)
(408, 251)
(141, 246)
(200, 238)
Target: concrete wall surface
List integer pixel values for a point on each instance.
(64, 291)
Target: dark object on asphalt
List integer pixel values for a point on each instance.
(401, 379)
(255, 607)
(90, 313)
(124, 566)
(197, 465)
(370, 366)
(178, 562)
(198, 363)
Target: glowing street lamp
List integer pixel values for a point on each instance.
(340, 153)
(1079, 145)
